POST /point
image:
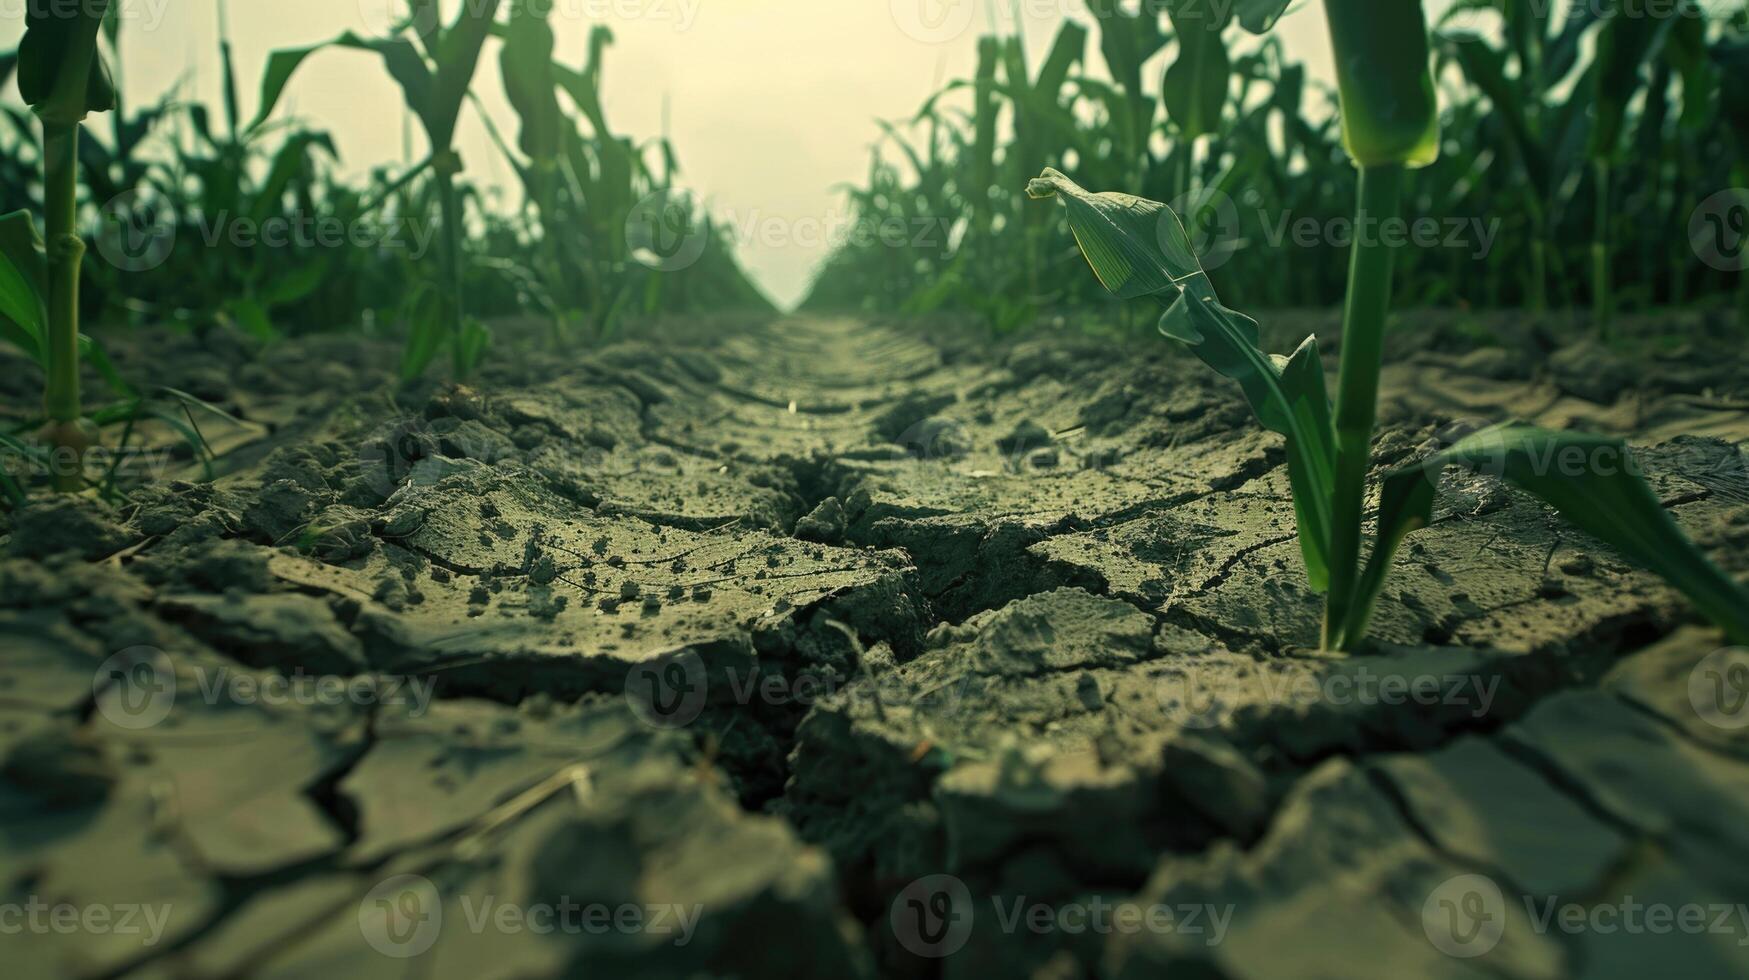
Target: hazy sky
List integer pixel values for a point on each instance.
(771, 102)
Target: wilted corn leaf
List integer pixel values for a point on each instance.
(1138, 247)
(1591, 480)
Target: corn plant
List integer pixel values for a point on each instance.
(582, 183)
(434, 65)
(1522, 106)
(63, 77)
(1139, 248)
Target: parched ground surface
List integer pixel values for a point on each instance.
(847, 648)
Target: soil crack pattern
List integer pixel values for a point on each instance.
(787, 627)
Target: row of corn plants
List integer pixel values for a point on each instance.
(1565, 138)
(1390, 125)
(171, 178)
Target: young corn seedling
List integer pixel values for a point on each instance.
(1390, 122)
(63, 78)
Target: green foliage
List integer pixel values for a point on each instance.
(23, 284)
(1593, 481)
(61, 74)
(1390, 113)
(1510, 203)
(214, 183)
(1195, 89)
(1139, 248)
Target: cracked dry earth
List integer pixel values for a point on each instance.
(842, 648)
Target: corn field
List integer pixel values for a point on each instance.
(1171, 504)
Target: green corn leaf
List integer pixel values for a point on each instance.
(295, 285)
(61, 73)
(23, 283)
(291, 158)
(399, 56)
(252, 318)
(1311, 472)
(1127, 41)
(608, 183)
(1195, 90)
(1137, 248)
(471, 346)
(1068, 50)
(1485, 67)
(426, 331)
(986, 109)
(1731, 59)
(1626, 43)
(1259, 16)
(1686, 51)
(458, 57)
(228, 73)
(1390, 107)
(1591, 480)
(92, 353)
(526, 63)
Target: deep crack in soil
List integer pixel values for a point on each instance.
(786, 629)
